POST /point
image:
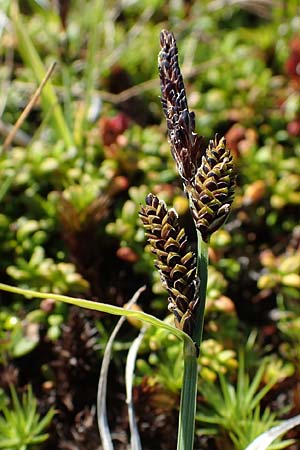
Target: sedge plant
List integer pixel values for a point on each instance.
(208, 179)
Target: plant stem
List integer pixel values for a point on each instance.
(187, 411)
(202, 265)
(189, 386)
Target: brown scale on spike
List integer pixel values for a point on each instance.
(174, 260)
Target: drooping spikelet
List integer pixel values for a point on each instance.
(174, 260)
(185, 143)
(211, 192)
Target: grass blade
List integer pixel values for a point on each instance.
(103, 426)
(129, 374)
(102, 385)
(98, 306)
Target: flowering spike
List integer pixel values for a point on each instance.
(207, 174)
(185, 143)
(211, 192)
(174, 260)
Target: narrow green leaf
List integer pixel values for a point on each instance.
(29, 408)
(10, 443)
(228, 392)
(242, 381)
(97, 306)
(39, 439)
(45, 421)
(249, 394)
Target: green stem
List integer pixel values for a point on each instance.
(186, 427)
(187, 411)
(202, 265)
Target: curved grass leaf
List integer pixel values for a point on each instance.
(129, 374)
(97, 306)
(102, 385)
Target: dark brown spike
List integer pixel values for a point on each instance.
(211, 192)
(174, 258)
(185, 143)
